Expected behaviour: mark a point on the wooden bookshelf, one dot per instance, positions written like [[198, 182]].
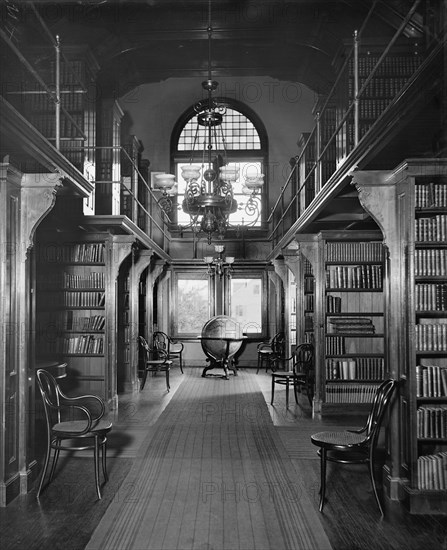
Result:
[[429, 350], [410, 204], [387, 82], [350, 312]]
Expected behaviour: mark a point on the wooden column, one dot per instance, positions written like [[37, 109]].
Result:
[[378, 196], [24, 202], [141, 261], [118, 247]]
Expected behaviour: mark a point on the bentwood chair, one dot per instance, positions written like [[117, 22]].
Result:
[[301, 374], [355, 446], [171, 346], [156, 360], [272, 352], [70, 423]]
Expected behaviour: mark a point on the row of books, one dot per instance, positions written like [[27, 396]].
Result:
[[360, 368], [354, 252], [391, 66], [430, 262], [75, 299], [333, 304], [309, 284], [335, 345], [309, 302], [350, 325], [95, 279], [72, 253], [432, 472], [364, 276], [432, 421], [432, 229], [46, 124], [431, 297], [83, 344], [372, 108], [308, 323], [350, 393], [430, 195], [431, 337], [379, 87], [431, 381]]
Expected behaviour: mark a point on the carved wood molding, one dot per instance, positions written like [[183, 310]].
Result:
[[38, 196], [377, 195]]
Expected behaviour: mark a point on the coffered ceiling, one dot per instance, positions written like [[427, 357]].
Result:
[[150, 40]]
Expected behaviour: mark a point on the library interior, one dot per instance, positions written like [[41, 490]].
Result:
[[209, 205]]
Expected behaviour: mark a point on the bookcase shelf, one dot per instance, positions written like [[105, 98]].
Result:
[[425, 284], [352, 363]]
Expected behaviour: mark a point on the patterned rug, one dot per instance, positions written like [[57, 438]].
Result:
[[212, 474]]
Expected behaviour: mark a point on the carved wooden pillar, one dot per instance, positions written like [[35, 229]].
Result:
[[140, 263], [24, 201], [118, 247], [379, 196]]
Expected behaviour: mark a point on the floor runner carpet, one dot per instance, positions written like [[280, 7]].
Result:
[[212, 474]]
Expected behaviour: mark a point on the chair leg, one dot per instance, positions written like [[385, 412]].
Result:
[[322, 478], [273, 389], [181, 362], [259, 363], [287, 393], [96, 458], [55, 459], [168, 387], [143, 380], [295, 391], [373, 483], [104, 459], [45, 468]]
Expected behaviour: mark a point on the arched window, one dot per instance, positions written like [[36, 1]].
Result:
[[246, 146]]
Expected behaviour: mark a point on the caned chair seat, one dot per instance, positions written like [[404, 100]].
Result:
[[77, 427], [356, 446]]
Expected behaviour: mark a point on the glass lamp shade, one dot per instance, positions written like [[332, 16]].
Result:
[[229, 259], [229, 173], [164, 181], [208, 259], [191, 172], [254, 182]]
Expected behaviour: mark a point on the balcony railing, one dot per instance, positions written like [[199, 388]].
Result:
[[371, 75]]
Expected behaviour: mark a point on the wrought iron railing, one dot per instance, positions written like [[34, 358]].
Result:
[[371, 74]]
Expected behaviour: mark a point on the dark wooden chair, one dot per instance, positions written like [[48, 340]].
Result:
[[300, 375], [272, 352], [70, 423], [156, 360], [171, 346], [355, 446]]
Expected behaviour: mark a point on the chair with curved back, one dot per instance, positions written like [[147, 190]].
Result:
[[156, 360], [355, 446], [272, 352], [300, 375], [70, 421], [173, 348]]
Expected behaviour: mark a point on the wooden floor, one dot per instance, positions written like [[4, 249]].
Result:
[[68, 511]]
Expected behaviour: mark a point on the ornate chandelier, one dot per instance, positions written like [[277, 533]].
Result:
[[209, 193]]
